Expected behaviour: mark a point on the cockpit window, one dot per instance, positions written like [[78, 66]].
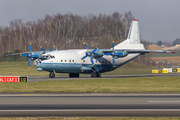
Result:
[[46, 57]]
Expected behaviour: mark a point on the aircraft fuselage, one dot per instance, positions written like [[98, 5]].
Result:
[[69, 61]]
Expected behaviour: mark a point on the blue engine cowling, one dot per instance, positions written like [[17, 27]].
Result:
[[97, 54], [121, 54]]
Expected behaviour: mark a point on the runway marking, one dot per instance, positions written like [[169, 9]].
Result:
[[27, 94], [164, 101], [97, 93], [90, 94], [92, 110]]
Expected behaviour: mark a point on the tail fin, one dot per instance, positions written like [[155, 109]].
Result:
[[133, 39]]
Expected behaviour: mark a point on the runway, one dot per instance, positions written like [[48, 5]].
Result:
[[86, 77], [91, 104]]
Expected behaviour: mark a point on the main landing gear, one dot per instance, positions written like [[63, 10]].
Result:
[[51, 75], [95, 74]]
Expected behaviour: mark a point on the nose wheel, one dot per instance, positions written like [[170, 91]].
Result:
[[51, 75]]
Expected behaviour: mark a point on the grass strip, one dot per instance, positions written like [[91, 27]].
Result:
[[20, 68], [90, 118], [142, 84]]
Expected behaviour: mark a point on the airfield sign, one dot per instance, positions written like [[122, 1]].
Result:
[[13, 79]]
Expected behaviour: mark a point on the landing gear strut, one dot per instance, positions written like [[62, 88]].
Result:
[[51, 75], [95, 74]]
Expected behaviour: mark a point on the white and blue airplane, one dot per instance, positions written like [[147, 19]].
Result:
[[94, 62]]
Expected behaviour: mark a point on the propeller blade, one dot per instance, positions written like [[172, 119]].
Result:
[[42, 49], [85, 46], [113, 61], [94, 50], [29, 62], [30, 48], [113, 45], [23, 55], [83, 57], [91, 60], [52, 48]]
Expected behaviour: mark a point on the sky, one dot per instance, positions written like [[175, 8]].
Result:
[[158, 19]]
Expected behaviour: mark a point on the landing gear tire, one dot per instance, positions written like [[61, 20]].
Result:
[[98, 74], [73, 74], [52, 75], [95, 74]]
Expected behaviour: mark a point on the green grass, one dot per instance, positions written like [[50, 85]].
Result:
[[20, 68], [143, 84], [90, 118], [166, 55]]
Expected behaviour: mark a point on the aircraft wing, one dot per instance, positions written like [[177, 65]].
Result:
[[23, 54], [17, 53], [142, 51], [147, 51]]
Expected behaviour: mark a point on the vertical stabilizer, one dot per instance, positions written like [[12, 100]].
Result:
[[133, 35], [133, 39]]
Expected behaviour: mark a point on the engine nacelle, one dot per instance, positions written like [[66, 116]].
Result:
[[121, 54], [97, 54]]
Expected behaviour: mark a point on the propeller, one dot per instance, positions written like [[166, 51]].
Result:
[[45, 50], [29, 55], [114, 54], [89, 54]]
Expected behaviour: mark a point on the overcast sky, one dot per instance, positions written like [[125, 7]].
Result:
[[158, 19]]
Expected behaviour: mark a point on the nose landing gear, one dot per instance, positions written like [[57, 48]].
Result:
[[51, 75]]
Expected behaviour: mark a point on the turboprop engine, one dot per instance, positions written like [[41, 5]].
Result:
[[92, 54], [97, 54], [120, 54], [116, 54]]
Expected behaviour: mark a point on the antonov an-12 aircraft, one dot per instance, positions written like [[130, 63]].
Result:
[[94, 62]]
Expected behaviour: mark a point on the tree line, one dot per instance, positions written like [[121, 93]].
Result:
[[66, 31]]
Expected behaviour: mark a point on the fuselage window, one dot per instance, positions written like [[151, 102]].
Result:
[[69, 60], [105, 61], [61, 60], [96, 61], [83, 60], [99, 61], [102, 61], [64, 60], [72, 60]]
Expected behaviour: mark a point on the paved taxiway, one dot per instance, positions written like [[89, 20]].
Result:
[[90, 104], [86, 77]]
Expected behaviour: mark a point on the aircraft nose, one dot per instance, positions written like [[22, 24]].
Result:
[[37, 62]]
